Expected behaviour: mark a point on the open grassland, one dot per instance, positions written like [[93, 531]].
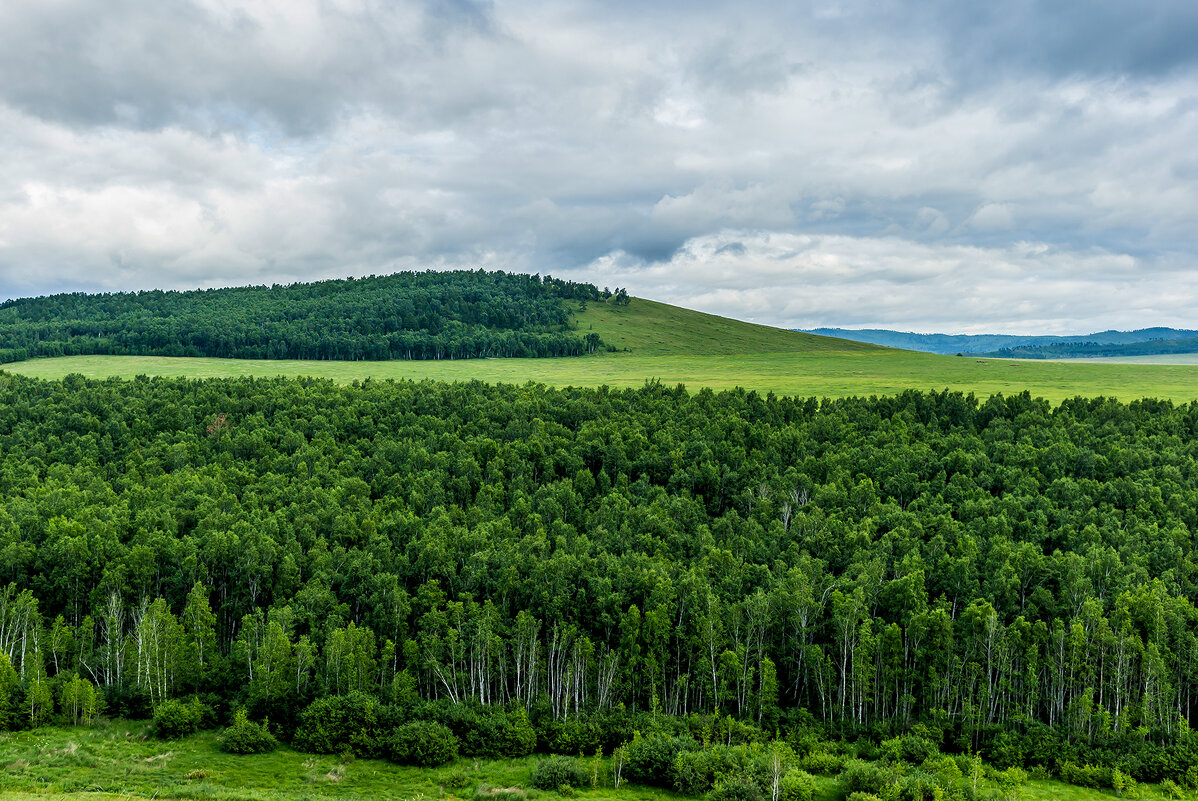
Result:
[[117, 760], [677, 345]]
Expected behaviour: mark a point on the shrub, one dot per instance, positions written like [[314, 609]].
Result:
[[356, 723], [556, 771], [863, 797], [822, 763], [695, 772], [650, 759], [1171, 789], [909, 748], [1093, 776], [174, 718], [246, 737], [864, 777], [736, 788], [484, 731], [422, 743], [798, 785]]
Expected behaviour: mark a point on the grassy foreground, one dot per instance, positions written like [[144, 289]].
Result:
[[117, 760], [676, 345]]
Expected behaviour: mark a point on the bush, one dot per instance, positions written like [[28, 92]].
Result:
[[737, 788], [1093, 776], [798, 785], [695, 772], [650, 760], [863, 797], [822, 763], [864, 777], [174, 718], [339, 723], [556, 771], [909, 748], [422, 743], [246, 737], [484, 731]]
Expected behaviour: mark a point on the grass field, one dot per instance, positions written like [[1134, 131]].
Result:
[[677, 345], [116, 760]]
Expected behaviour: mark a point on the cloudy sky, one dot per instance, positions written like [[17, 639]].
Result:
[[933, 165]]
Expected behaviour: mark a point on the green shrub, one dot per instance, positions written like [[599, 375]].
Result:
[[1171, 789], [695, 772], [1093, 776], [798, 785], [650, 759], [864, 777], [736, 788], [909, 748], [246, 737], [863, 797], [174, 718], [822, 763], [356, 723], [422, 743], [556, 771]]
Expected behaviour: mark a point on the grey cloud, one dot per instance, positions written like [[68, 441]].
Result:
[[199, 143]]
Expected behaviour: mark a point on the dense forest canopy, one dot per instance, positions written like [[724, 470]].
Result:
[[410, 315], [983, 568]]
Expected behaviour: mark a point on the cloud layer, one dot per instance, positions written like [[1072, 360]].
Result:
[[913, 165]]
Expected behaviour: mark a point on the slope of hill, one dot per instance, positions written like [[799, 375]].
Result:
[[677, 345], [426, 315], [990, 344]]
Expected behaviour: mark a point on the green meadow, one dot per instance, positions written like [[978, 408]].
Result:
[[118, 760], [675, 345]]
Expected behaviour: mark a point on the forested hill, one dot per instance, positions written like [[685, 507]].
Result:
[[410, 315], [993, 344], [1015, 577], [1087, 350]]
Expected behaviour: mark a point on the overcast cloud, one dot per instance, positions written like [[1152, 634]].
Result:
[[1020, 167]]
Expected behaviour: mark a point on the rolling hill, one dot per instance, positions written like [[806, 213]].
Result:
[[656, 341], [1000, 344]]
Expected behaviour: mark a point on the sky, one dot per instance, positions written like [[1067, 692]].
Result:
[[1017, 167]]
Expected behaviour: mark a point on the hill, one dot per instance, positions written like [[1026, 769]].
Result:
[[1093, 350], [681, 346], [424, 315], [997, 344]]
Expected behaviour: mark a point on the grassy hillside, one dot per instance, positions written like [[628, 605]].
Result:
[[118, 761], [677, 345]]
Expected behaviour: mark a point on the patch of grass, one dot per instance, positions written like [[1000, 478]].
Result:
[[679, 346]]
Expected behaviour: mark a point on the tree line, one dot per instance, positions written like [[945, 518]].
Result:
[[411, 315], [1002, 572]]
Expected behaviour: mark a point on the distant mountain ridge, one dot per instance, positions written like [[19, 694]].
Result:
[[1032, 346]]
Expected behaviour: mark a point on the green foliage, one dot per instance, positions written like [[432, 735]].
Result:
[[798, 785], [735, 788], [649, 759], [422, 743], [859, 776], [243, 736], [1085, 775], [559, 771], [174, 718], [335, 724]]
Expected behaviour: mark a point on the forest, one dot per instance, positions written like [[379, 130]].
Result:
[[411, 315], [567, 570]]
